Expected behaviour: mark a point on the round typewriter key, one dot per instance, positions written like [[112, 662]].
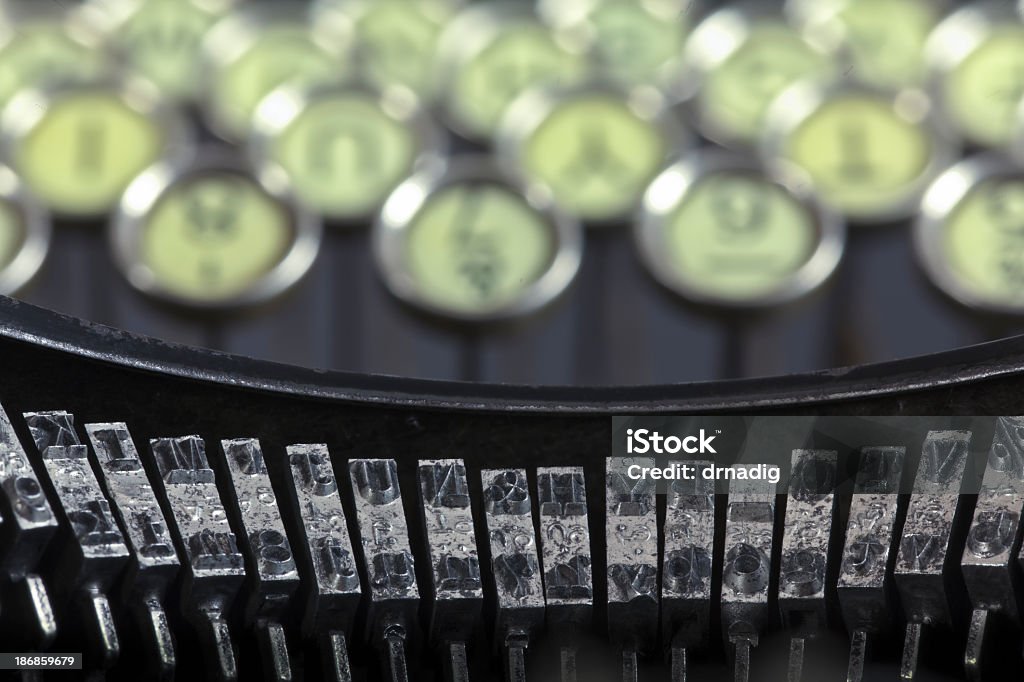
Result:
[[594, 148], [345, 147], [78, 147], [43, 44], [869, 154], [976, 58], [492, 52], [970, 234], [213, 234], [635, 41], [252, 51], [884, 39], [24, 234], [462, 241], [735, 63], [160, 40], [395, 41], [719, 230]]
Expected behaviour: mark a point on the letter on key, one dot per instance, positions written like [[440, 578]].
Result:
[[987, 561], [215, 568], [333, 600], [864, 582], [565, 554], [806, 547], [153, 556], [273, 576], [631, 534], [384, 531], [87, 569], [686, 582], [749, 527], [515, 565], [454, 562], [928, 539]]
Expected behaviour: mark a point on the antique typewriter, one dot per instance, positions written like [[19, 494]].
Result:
[[320, 312]]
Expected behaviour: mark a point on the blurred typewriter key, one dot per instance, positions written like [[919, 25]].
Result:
[[976, 63], [882, 41], [395, 41], [44, 44], [327, 550], [461, 240], [212, 234], [735, 63], [272, 574], [78, 147], [870, 154], [24, 233], [154, 564], [689, 537], [970, 234], [90, 552], [344, 147], [865, 580], [988, 558], [160, 40], [264, 45], [214, 568], [515, 564], [493, 51], [634, 41], [931, 542], [594, 148], [721, 230]]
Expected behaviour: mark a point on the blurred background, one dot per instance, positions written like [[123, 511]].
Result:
[[172, 78]]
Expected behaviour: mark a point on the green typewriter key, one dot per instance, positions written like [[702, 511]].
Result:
[[882, 41], [395, 41], [976, 59], [719, 230], [213, 234], [77, 147], [493, 51], [870, 154], [461, 240], [594, 148], [970, 234], [345, 147], [43, 44], [635, 41], [160, 40], [24, 234], [262, 46], [734, 65]]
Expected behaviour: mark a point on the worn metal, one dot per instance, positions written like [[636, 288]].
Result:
[[689, 535], [749, 530], [214, 567], [92, 553], [864, 582], [631, 537], [928, 538], [384, 535], [515, 565], [806, 549], [272, 574]]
